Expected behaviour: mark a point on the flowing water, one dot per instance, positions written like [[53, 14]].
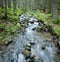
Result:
[[14, 54]]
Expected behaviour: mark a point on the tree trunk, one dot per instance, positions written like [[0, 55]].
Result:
[[54, 9], [5, 16], [14, 5], [9, 3], [1, 3]]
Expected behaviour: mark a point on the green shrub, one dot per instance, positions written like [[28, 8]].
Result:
[[2, 26], [1, 10], [40, 16], [49, 15], [56, 21], [14, 15], [1, 37], [19, 12], [56, 30], [15, 18]]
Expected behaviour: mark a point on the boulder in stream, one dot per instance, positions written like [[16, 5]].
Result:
[[27, 51], [35, 59], [32, 20], [43, 47], [32, 43]]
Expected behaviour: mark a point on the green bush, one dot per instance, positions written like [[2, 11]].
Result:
[[15, 18], [11, 29], [56, 30], [2, 26], [1, 10], [14, 15], [1, 37]]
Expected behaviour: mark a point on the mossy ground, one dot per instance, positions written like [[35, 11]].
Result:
[[9, 26]]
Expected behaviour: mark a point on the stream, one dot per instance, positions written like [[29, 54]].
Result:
[[42, 49]]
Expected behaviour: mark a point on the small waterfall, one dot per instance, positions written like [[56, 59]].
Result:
[[21, 58]]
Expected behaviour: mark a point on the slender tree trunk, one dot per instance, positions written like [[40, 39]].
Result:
[[54, 9], [5, 16], [1, 3], [9, 3], [14, 5]]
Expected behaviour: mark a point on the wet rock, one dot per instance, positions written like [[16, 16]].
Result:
[[32, 59], [39, 60], [43, 47], [40, 21], [56, 42], [58, 52], [8, 42], [32, 20], [39, 28], [28, 45], [27, 54], [27, 51], [33, 28], [22, 25], [51, 31], [28, 48], [41, 24], [35, 59], [25, 25], [45, 29], [32, 43], [1, 60], [57, 58], [47, 40], [58, 45], [55, 38]]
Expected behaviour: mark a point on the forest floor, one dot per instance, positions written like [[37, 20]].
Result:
[[8, 30]]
